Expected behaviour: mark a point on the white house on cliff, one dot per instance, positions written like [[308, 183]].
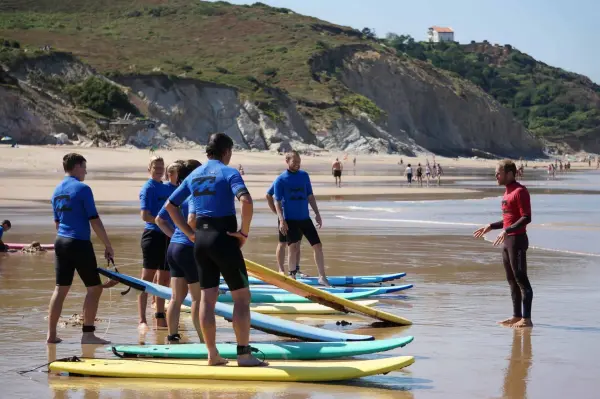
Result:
[[438, 34]]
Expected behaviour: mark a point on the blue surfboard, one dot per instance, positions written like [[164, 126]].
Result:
[[340, 280], [271, 289], [269, 324]]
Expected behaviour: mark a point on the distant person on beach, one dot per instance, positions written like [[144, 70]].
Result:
[[213, 189], [74, 211], [516, 215], [4, 227], [293, 194], [420, 175], [241, 169], [354, 162], [154, 242], [439, 172], [408, 173], [282, 244], [336, 170], [427, 173]]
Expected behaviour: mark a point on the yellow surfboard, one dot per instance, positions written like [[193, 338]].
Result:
[[316, 295], [294, 308], [299, 371]]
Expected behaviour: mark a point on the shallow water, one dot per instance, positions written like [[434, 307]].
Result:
[[460, 291]]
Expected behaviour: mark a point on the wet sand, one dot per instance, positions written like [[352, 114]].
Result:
[[460, 292]]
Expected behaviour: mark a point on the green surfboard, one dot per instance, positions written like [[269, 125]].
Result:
[[271, 351], [292, 298]]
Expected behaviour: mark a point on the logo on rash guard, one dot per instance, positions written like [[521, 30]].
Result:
[[63, 203], [204, 185], [299, 191]]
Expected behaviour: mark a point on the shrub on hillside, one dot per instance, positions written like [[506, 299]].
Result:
[[100, 96]]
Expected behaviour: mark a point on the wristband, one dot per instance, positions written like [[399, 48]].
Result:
[[245, 235]]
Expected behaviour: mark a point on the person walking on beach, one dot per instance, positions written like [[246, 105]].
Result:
[[293, 193], [439, 172], [74, 211], [408, 173], [280, 251], [154, 242], [212, 189], [427, 173], [420, 175], [336, 170], [516, 215], [4, 227]]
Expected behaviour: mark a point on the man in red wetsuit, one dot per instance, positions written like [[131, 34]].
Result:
[[516, 214]]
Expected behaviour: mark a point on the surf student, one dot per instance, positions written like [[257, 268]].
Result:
[[408, 173], [74, 211], [154, 242], [4, 227], [516, 215], [336, 170], [180, 256], [171, 175], [420, 175], [280, 251], [213, 188], [293, 193]]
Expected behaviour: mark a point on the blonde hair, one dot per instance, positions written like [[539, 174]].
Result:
[[155, 159], [175, 167], [508, 166]]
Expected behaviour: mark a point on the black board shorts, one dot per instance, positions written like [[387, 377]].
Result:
[[299, 228], [218, 253], [337, 173], [282, 238], [182, 263], [154, 250], [71, 254]]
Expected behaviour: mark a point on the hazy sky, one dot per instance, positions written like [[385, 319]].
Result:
[[559, 33]]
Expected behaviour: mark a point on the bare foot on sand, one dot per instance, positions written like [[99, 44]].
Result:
[[324, 281], [143, 328], [509, 322], [250, 361], [217, 361], [523, 323], [90, 338], [53, 340]]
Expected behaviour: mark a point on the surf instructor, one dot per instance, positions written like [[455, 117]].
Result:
[[217, 243], [516, 215]]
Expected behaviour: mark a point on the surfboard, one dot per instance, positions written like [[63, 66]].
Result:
[[294, 308], [269, 324], [320, 296], [340, 280], [286, 297], [297, 371], [271, 351], [272, 289], [16, 245]]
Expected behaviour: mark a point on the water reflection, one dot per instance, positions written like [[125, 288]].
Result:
[[517, 372]]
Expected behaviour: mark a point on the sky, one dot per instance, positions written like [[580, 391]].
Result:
[[560, 33]]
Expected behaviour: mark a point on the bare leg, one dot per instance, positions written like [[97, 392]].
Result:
[[147, 275], [293, 250], [163, 279], [320, 261], [280, 254], [209, 325], [196, 294], [90, 309], [297, 256], [241, 326], [54, 311], [180, 289]]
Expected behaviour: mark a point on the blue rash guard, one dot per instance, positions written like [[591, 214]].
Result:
[[178, 236], [73, 205], [213, 188], [293, 190], [152, 197], [1, 232]]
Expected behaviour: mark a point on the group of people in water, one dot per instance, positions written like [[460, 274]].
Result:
[[430, 173], [190, 239]]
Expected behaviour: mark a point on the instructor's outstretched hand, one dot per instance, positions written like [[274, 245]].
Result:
[[482, 231]]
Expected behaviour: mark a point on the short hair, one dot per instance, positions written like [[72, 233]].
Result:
[[218, 144], [408, 165], [6, 222], [71, 160], [175, 167], [290, 154], [187, 168], [155, 159], [508, 166]]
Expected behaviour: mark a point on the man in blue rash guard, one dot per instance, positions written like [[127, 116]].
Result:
[[4, 227], [74, 211], [217, 243], [154, 242], [180, 256], [293, 194]]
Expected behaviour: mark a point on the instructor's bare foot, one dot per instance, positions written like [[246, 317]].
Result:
[[523, 323], [217, 361], [90, 338], [142, 328], [250, 361], [53, 340], [509, 322]]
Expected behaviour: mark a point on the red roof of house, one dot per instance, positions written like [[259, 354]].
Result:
[[440, 29]]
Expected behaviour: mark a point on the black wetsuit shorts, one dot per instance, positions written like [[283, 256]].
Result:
[[299, 228], [515, 265], [182, 263], [154, 250], [282, 238], [218, 253], [72, 254]]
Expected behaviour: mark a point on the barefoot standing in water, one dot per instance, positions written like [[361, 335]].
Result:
[[516, 214], [74, 210]]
